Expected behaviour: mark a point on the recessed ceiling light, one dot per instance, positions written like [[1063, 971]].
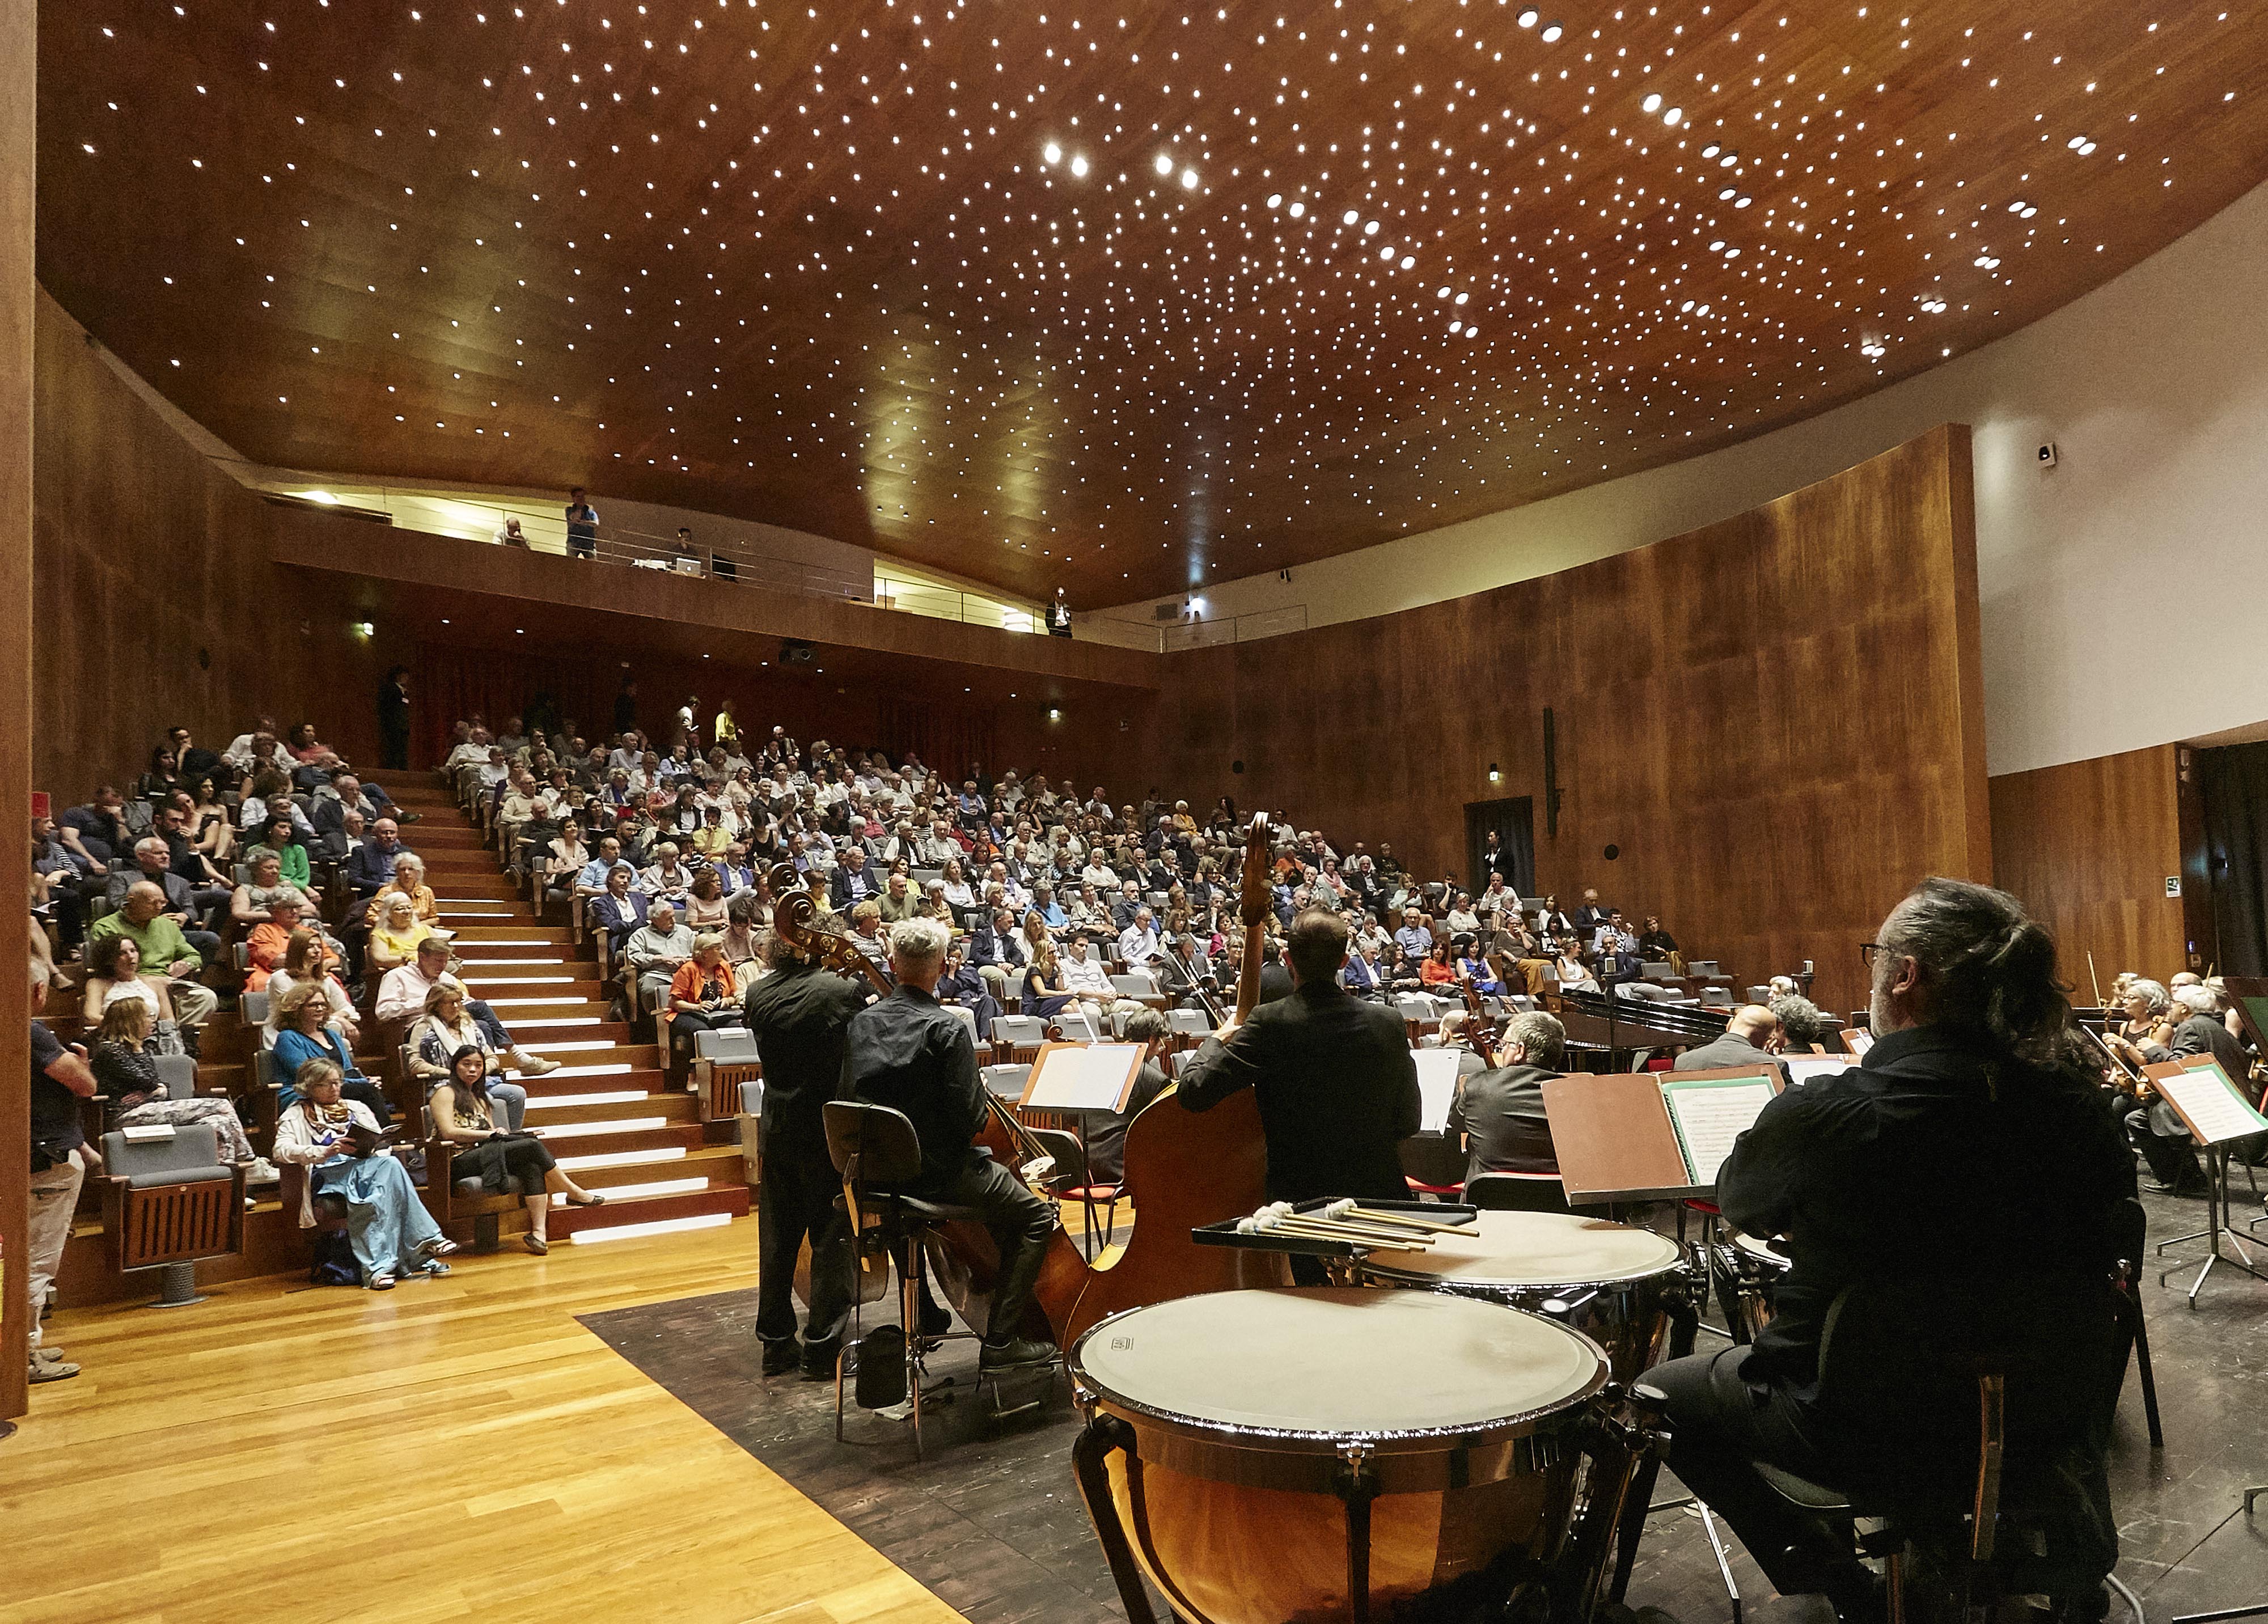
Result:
[[1078, 165], [1165, 161], [1051, 153], [1551, 33], [1528, 16], [1652, 103], [1350, 217], [1189, 182]]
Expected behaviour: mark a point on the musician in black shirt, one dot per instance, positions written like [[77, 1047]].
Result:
[[800, 1015], [1500, 1111], [909, 1053], [1338, 1091], [1973, 1130]]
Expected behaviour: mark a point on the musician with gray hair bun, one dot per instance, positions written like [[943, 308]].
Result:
[[1973, 1129], [909, 1053]]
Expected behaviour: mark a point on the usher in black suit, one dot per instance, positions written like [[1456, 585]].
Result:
[[1338, 1091]]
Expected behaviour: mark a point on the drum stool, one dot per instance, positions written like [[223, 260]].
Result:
[[874, 1148]]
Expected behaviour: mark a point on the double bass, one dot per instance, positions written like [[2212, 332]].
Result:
[[965, 1259], [1185, 1171]]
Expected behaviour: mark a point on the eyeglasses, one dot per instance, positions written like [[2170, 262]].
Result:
[[1867, 950]]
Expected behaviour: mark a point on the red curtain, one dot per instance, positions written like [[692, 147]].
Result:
[[951, 741]]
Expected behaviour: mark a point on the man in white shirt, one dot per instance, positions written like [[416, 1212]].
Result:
[[1138, 943], [401, 1005]]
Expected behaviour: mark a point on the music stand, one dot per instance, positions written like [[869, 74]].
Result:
[[1437, 1087], [2217, 1114], [1632, 1136]]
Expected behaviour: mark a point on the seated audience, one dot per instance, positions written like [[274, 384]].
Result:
[[279, 840], [403, 1000], [302, 955], [163, 949], [125, 1055], [655, 951], [304, 1036], [705, 994], [335, 1139], [394, 939], [466, 1115]]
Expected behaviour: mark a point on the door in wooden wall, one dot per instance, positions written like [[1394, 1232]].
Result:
[[1513, 821]]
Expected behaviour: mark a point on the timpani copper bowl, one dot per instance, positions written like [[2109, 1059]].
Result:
[[1613, 1282], [1334, 1452]]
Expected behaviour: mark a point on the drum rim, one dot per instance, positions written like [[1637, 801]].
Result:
[[1759, 1247], [1511, 1425], [1675, 1262]]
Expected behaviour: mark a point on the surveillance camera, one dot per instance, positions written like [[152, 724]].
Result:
[[2047, 454]]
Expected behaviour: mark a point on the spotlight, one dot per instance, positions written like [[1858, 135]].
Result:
[[1551, 33], [1528, 16]]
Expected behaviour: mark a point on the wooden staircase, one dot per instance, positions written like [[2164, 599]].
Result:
[[609, 1113]]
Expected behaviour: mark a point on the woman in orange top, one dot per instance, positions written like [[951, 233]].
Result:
[[1436, 970], [705, 994]]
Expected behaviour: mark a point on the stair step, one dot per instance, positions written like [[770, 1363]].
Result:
[[722, 1162], [509, 932], [566, 1083], [534, 984], [574, 1054], [630, 1146], [569, 1110], [715, 1204]]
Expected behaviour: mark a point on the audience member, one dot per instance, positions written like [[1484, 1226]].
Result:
[[337, 1140], [465, 1113]]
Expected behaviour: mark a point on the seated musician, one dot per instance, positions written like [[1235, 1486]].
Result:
[[907, 1053], [1500, 1112], [1106, 1130], [1751, 1037], [1973, 1128], [2161, 1136], [1337, 1087]]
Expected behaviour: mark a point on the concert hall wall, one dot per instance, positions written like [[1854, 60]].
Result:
[[1775, 721], [2089, 847]]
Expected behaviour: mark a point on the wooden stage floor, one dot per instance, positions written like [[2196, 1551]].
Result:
[[585, 1436]]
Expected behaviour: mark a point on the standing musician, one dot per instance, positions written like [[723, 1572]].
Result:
[[1337, 1087], [910, 1053], [800, 1015], [1972, 1129]]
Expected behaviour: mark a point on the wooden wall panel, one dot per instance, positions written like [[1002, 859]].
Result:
[[2089, 846], [16, 293], [154, 598], [1774, 720]]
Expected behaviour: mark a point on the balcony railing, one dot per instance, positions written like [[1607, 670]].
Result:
[[544, 529]]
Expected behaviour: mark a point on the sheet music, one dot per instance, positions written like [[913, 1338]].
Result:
[[2212, 1106], [1090, 1077], [1708, 1117], [1810, 1068], [1437, 1086]]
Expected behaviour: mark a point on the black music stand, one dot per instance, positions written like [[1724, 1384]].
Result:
[[2189, 1086]]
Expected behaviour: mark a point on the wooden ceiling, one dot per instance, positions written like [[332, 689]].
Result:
[[1120, 297]]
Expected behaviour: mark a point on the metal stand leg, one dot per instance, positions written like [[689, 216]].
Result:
[[1358, 1487], [2216, 1228], [1724, 1566]]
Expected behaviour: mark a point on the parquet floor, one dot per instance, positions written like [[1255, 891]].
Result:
[[458, 1448]]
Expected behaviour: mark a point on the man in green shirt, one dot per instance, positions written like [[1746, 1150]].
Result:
[[164, 951]]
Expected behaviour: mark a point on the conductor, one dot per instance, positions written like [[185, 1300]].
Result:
[[909, 1053], [1337, 1087]]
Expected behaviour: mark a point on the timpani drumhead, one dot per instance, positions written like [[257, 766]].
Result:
[[1763, 1252], [1325, 1362], [1516, 1249]]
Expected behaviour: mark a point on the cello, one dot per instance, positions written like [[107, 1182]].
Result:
[[1184, 1171], [964, 1257]]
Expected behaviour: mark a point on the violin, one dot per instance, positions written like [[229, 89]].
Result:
[[967, 1261]]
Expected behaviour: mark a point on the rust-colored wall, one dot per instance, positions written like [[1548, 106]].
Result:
[[2089, 846], [17, 296], [1775, 720]]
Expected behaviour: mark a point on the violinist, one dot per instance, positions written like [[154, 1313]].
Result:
[[1337, 1088], [798, 1015], [907, 1053]]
